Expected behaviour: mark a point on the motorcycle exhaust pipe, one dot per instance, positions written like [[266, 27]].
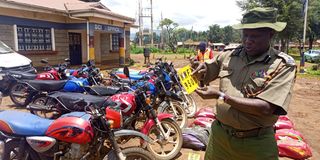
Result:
[[38, 107]]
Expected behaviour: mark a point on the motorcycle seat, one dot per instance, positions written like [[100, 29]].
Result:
[[23, 75], [77, 101], [47, 85], [103, 90], [24, 124]]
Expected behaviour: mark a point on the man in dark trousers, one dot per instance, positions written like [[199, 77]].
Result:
[[146, 54], [256, 84]]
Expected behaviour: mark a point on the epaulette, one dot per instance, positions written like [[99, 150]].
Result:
[[288, 59], [237, 51]]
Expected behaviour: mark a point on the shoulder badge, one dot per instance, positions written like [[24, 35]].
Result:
[[237, 51], [288, 59]]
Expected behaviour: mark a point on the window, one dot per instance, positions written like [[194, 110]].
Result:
[[115, 42], [34, 39]]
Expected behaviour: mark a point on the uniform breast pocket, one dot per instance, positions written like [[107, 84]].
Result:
[[225, 79], [255, 86], [258, 82]]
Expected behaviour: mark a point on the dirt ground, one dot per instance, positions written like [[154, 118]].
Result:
[[304, 109]]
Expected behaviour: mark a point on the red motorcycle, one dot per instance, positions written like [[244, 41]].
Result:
[[77, 135]]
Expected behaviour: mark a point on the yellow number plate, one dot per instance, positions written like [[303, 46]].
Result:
[[188, 82]]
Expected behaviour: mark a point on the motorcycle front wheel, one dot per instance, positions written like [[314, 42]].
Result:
[[132, 153], [176, 109], [191, 107], [165, 148]]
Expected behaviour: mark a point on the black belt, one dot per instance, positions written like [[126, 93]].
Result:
[[245, 133]]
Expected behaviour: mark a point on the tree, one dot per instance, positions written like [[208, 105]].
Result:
[[215, 33], [289, 11], [170, 27], [314, 21]]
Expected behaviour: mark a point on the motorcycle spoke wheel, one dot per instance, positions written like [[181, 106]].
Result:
[[190, 105], [180, 115], [163, 148], [19, 94], [49, 112]]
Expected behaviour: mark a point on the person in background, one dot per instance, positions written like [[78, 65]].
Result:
[[204, 54], [146, 54], [256, 84]]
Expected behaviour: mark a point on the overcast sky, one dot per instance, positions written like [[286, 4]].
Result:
[[199, 14]]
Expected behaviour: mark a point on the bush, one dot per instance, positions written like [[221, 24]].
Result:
[[136, 50], [185, 50]]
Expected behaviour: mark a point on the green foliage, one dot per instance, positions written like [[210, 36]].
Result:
[[154, 50], [136, 50], [170, 28], [185, 50]]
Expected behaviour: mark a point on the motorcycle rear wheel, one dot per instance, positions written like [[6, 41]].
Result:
[[45, 102], [161, 148], [132, 153], [19, 94]]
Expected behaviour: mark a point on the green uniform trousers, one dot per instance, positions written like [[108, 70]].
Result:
[[223, 146]]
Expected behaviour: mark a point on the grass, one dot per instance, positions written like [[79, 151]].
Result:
[[309, 72]]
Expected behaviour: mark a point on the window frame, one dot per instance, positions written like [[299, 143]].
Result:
[[35, 39]]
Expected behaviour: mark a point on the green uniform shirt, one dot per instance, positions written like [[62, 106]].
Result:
[[269, 77]]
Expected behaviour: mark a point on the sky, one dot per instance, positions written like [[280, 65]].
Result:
[[190, 14]]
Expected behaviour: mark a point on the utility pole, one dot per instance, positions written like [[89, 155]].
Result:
[[304, 37], [161, 35], [145, 12], [151, 23], [140, 23]]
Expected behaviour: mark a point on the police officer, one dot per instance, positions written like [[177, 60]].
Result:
[[255, 88]]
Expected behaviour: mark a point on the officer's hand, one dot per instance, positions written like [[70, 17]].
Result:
[[200, 71], [208, 92]]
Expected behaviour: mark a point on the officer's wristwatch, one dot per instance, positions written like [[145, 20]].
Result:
[[223, 97]]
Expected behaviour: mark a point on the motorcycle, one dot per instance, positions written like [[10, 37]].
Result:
[[50, 73], [164, 100], [24, 91], [188, 101], [135, 106], [73, 136], [161, 128]]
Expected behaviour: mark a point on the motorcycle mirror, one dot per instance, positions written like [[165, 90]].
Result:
[[45, 61], [126, 71]]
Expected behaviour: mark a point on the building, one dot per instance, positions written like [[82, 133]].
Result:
[[59, 29]]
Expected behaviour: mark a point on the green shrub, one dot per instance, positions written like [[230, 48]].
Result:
[[136, 50]]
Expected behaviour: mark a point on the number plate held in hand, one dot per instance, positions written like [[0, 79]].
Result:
[[188, 82]]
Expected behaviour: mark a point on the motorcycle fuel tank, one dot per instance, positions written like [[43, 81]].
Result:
[[71, 129]]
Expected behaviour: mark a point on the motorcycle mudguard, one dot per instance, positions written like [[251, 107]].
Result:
[[127, 132], [150, 122]]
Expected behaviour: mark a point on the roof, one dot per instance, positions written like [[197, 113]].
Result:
[[218, 44], [70, 6], [231, 46]]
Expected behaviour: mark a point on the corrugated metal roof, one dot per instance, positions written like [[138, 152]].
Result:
[[53, 4], [67, 6]]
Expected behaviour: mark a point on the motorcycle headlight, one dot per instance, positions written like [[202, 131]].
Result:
[[114, 118]]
